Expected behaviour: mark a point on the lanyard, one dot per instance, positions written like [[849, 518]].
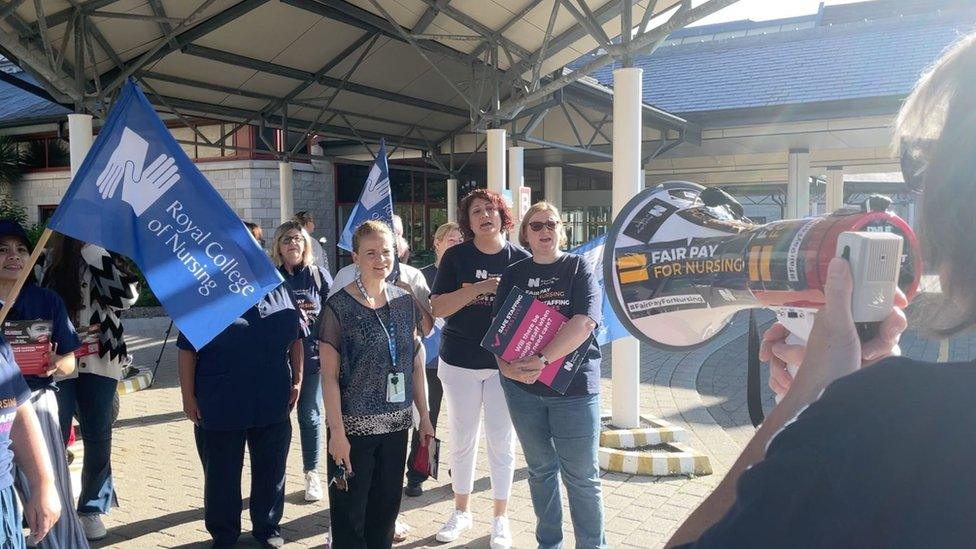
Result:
[[389, 331]]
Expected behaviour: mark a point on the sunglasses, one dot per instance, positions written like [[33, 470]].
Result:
[[537, 226], [341, 479], [915, 162]]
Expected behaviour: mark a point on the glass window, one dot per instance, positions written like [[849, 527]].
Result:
[[401, 184], [350, 179]]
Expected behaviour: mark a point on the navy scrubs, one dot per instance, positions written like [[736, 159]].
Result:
[[242, 385]]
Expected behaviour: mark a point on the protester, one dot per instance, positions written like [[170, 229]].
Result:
[[22, 443], [96, 287], [38, 304], [373, 370], [446, 236], [307, 222], [240, 388], [292, 253], [463, 293], [830, 477], [560, 433], [256, 232]]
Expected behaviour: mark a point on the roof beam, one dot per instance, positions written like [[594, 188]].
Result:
[[508, 24], [187, 36], [478, 27], [428, 17], [236, 113], [300, 75], [62, 16]]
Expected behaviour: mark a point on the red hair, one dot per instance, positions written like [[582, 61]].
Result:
[[496, 200]]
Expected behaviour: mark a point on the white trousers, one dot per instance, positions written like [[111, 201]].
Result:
[[467, 392]]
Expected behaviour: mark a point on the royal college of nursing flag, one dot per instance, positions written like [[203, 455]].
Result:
[[138, 194], [609, 327], [375, 202]]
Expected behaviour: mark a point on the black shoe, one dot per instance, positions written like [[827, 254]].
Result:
[[414, 489]]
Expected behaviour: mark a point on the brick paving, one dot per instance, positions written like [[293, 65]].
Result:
[[160, 482]]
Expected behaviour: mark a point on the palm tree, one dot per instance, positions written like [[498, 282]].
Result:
[[11, 161]]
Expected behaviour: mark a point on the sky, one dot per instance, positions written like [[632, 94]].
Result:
[[761, 10]]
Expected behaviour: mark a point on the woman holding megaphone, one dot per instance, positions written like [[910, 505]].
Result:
[[875, 456]]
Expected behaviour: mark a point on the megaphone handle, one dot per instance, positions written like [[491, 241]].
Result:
[[794, 339]]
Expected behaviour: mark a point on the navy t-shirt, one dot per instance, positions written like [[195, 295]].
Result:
[[309, 297], [36, 303], [461, 266], [243, 377], [883, 459], [13, 393], [569, 286]]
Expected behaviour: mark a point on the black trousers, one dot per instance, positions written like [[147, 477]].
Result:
[[434, 396], [222, 455], [364, 517]]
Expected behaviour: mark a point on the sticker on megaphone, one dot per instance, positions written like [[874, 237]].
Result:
[[679, 267]]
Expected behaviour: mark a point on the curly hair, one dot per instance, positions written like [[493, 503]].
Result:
[[508, 220]]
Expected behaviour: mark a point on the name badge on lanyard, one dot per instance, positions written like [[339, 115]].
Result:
[[396, 386]]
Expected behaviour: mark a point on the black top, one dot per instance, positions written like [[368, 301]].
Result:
[[309, 296], [39, 303], [883, 459], [430, 273], [568, 285], [461, 266], [359, 338]]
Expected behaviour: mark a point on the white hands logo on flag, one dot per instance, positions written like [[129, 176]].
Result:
[[142, 185]]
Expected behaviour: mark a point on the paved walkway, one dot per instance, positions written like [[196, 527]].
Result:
[[160, 483]]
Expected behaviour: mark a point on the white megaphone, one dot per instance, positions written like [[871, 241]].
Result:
[[682, 259]]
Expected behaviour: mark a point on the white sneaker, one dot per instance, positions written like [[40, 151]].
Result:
[[501, 534], [455, 526], [313, 486], [93, 526]]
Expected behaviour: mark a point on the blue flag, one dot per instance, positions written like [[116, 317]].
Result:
[[432, 343], [138, 194], [610, 327], [375, 202]]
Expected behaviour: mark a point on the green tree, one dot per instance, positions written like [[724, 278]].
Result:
[[11, 161]]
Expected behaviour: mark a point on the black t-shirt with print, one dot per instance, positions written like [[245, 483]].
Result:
[[461, 266], [569, 286]]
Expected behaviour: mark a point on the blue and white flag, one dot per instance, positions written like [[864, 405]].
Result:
[[138, 194], [375, 202], [432, 343], [609, 327]]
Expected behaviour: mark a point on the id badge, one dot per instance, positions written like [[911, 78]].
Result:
[[396, 388]]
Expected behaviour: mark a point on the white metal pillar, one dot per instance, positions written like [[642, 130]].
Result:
[[285, 195], [627, 100], [516, 180], [835, 188], [554, 186], [79, 139], [496, 160], [798, 186], [452, 189]]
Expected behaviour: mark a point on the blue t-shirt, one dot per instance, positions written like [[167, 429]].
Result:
[[569, 286], [243, 377], [309, 297], [36, 303], [13, 393], [463, 265], [432, 343]]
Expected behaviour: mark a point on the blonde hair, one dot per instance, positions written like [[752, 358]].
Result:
[[370, 228], [443, 230], [280, 233], [541, 206]]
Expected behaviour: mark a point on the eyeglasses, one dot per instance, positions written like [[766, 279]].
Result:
[[292, 240], [341, 479], [537, 226], [915, 162]]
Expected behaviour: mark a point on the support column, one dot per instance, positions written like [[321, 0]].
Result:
[[627, 98], [516, 180], [452, 188], [496, 160], [835, 188], [285, 195], [798, 186], [79, 139], [554, 186]]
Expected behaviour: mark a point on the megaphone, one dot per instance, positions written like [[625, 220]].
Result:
[[682, 259]]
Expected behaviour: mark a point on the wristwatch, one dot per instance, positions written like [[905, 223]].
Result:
[[543, 358]]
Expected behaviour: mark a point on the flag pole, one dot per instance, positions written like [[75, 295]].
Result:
[[24, 273]]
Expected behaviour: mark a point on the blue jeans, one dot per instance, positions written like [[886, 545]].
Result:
[[560, 437], [93, 397], [310, 418]]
